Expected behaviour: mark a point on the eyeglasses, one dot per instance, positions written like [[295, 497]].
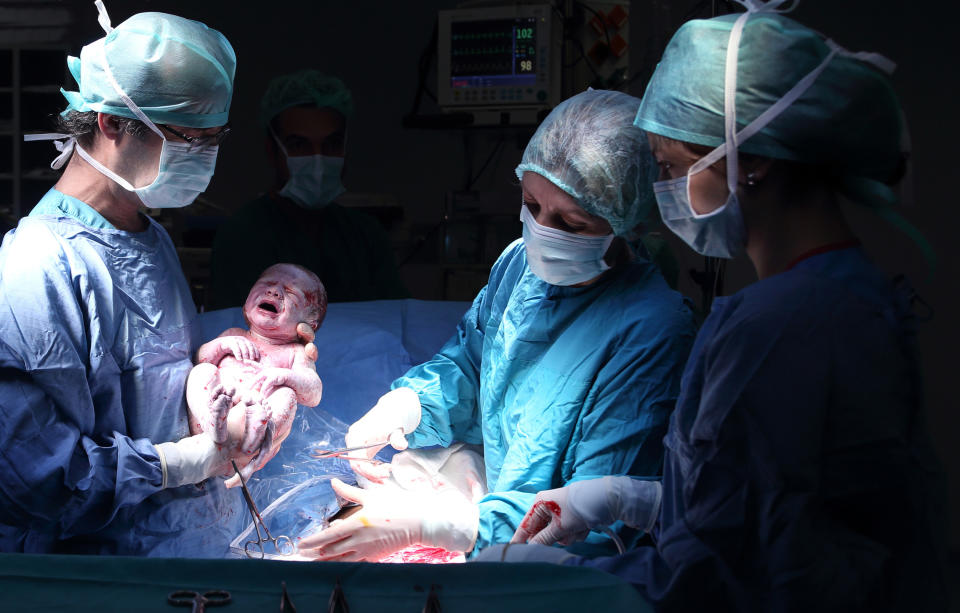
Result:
[[199, 142]]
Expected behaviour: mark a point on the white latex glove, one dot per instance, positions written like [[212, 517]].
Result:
[[196, 458], [391, 520], [307, 334], [567, 514], [395, 414]]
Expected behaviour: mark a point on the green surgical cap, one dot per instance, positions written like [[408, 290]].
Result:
[[588, 147], [849, 119], [306, 87], [177, 71]]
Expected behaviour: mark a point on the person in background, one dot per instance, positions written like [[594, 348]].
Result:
[[95, 313], [566, 367], [799, 475], [305, 117]]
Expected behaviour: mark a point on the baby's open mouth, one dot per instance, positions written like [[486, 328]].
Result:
[[266, 306]]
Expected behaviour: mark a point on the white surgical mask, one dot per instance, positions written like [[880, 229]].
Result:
[[314, 180], [562, 258], [721, 232], [183, 172]]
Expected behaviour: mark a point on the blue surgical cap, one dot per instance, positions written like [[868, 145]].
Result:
[[177, 71], [588, 147], [849, 118], [305, 87]]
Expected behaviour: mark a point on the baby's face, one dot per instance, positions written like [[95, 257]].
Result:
[[278, 302]]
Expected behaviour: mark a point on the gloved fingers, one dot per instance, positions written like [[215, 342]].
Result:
[[573, 537], [337, 532], [375, 473], [397, 440], [306, 332], [321, 555], [551, 534], [537, 518], [348, 492]]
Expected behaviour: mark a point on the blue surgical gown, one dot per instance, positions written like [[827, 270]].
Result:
[[798, 474], [95, 347], [557, 383]]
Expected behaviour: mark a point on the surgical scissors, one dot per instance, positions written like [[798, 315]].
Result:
[[199, 602], [283, 544], [321, 454]]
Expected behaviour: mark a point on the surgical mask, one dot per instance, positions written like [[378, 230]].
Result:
[[562, 258], [721, 232], [314, 179], [183, 172]]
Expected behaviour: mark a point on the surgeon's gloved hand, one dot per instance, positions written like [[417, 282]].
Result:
[[307, 334], [567, 514], [525, 553], [196, 458], [395, 414], [393, 519]]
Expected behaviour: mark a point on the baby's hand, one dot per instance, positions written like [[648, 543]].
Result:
[[239, 347], [271, 379]]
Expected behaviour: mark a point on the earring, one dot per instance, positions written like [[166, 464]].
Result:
[[751, 179]]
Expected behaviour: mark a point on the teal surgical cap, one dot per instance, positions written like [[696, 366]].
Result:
[[588, 147], [305, 87], [178, 71], [848, 119]]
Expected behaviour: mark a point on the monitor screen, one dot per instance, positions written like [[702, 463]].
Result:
[[492, 53]]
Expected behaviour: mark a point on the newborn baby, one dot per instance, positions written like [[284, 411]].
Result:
[[251, 381]]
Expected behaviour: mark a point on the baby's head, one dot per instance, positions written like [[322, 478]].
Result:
[[284, 296]]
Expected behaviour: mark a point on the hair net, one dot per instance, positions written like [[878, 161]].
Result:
[[310, 87], [849, 118], [176, 70], [589, 148]]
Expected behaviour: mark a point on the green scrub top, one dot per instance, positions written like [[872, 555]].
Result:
[[347, 249]]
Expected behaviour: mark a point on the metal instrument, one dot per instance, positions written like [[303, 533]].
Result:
[[199, 602], [323, 454], [283, 544]]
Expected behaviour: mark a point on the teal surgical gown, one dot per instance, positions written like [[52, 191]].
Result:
[[798, 472], [557, 383], [95, 347]]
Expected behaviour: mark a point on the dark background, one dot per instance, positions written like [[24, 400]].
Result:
[[375, 46]]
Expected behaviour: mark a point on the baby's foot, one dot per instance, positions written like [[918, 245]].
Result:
[[221, 399]]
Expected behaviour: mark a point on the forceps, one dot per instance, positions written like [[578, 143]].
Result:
[[321, 454], [199, 602], [283, 544]]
